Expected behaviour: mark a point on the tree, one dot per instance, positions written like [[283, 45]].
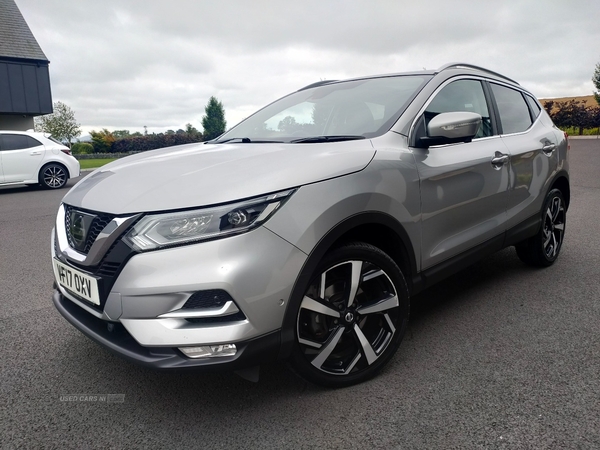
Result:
[[82, 148], [573, 114], [213, 121], [549, 107], [61, 124], [119, 134], [289, 125], [191, 130], [596, 81], [102, 141]]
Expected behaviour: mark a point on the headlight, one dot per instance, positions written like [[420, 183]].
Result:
[[156, 231]]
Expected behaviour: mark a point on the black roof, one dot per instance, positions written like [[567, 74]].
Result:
[[16, 39]]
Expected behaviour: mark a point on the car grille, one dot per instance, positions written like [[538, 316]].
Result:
[[98, 223], [112, 261]]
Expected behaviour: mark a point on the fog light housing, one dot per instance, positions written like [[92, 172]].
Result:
[[209, 351]]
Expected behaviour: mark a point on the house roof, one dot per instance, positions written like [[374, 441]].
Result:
[[16, 39]]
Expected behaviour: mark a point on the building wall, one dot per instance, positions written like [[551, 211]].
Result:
[[24, 87], [14, 122]]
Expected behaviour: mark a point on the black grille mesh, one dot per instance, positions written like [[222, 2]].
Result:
[[211, 298], [98, 224], [108, 269]]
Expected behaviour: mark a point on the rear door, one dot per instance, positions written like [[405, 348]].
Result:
[[22, 157], [464, 195], [532, 144]]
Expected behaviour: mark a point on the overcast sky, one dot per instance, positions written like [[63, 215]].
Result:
[[123, 64]]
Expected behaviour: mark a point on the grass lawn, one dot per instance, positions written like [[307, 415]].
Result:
[[94, 163]]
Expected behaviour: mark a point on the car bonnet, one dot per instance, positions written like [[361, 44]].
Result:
[[197, 175]]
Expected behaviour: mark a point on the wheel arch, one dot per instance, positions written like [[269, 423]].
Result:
[[378, 229], [58, 163], [49, 163], [561, 182]]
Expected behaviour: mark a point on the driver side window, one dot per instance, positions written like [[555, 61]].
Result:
[[462, 95]]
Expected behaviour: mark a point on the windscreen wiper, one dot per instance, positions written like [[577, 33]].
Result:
[[334, 138], [243, 140]]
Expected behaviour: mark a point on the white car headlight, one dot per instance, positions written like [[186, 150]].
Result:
[[155, 231]]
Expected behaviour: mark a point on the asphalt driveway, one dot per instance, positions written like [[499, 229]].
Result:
[[500, 355]]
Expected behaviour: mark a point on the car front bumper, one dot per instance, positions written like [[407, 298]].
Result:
[[257, 269], [119, 341]]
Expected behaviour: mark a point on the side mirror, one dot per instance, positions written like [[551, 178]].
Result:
[[451, 127]]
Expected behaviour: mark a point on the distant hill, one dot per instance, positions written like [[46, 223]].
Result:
[[589, 100]]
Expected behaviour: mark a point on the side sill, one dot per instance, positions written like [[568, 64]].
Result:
[[523, 230], [529, 227], [455, 264]]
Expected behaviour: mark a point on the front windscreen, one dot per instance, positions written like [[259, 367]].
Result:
[[352, 109]]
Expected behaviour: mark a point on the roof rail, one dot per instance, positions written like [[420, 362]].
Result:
[[318, 83], [471, 66]]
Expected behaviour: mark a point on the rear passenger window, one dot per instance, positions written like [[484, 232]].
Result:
[[15, 142], [514, 112]]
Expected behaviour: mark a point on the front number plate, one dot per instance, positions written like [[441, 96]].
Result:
[[77, 282]]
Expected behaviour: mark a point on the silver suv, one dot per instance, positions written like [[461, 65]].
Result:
[[302, 233]]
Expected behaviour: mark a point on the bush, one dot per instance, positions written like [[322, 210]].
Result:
[[82, 148], [153, 141]]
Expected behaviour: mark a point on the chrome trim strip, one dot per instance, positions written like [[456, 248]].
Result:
[[61, 235], [226, 310], [105, 239]]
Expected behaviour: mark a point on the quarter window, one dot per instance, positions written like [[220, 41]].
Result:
[[533, 106], [514, 112], [462, 95]]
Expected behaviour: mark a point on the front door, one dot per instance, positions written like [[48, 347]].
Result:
[[22, 156], [464, 194]]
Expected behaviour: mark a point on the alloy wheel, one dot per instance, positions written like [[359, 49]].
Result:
[[54, 176], [348, 317], [554, 227]]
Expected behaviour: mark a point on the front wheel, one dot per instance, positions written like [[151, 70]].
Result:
[[352, 317], [53, 176], [542, 249]]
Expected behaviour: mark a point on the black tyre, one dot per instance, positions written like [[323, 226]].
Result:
[[352, 318], [53, 176], [543, 249]]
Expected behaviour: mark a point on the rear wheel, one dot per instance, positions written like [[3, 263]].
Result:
[[53, 176], [352, 317], [542, 249]]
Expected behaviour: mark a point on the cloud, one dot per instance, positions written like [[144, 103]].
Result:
[[130, 63]]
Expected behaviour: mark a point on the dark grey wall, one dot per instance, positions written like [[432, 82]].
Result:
[[16, 122], [24, 88]]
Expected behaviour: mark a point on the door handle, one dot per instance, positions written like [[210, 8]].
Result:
[[499, 160], [548, 149], [35, 153]]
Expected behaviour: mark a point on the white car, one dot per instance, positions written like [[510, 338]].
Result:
[[27, 157]]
